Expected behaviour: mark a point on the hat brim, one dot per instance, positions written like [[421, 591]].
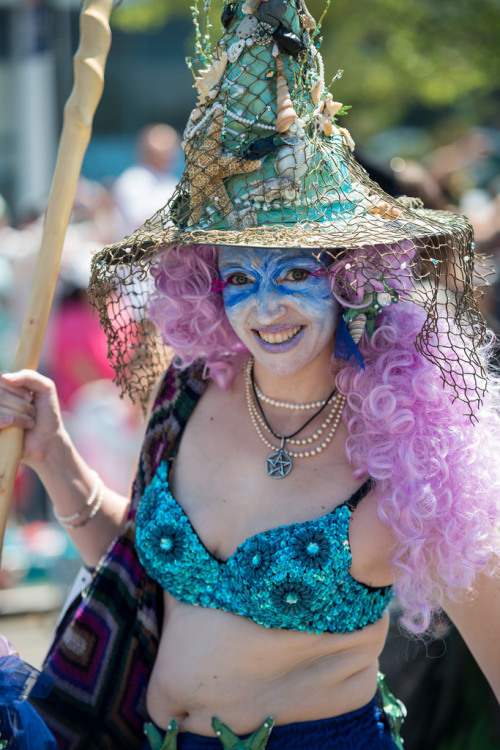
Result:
[[423, 227]]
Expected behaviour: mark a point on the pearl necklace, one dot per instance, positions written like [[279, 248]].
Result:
[[287, 404], [279, 462], [333, 416]]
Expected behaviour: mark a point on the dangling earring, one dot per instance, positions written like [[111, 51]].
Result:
[[356, 327], [353, 323]]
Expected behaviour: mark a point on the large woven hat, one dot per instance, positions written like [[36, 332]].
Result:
[[267, 165]]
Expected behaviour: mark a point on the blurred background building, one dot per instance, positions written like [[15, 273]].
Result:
[[38, 39]]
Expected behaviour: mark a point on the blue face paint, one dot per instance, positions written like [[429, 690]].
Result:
[[284, 273], [276, 304]]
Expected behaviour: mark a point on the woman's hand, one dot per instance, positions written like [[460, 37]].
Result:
[[29, 400]]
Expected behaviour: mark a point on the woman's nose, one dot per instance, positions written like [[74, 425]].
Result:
[[270, 306]]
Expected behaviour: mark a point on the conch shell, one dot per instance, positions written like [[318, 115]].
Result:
[[356, 327], [348, 138], [307, 19], [332, 107], [250, 6], [293, 160], [208, 79], [285, 113], [316, 92]]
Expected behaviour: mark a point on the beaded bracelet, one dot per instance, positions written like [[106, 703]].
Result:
[[67, 521]]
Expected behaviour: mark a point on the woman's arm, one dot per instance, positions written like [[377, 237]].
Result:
[[29, 400], [478, 621]]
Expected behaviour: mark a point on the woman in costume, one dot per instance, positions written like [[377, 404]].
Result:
[[326, 435]]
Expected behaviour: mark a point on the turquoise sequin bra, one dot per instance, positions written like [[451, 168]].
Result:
[[294, 577]]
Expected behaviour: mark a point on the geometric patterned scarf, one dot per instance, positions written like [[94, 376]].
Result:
[[106, 644]]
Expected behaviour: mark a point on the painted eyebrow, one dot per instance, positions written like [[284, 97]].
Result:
[[232, 267]]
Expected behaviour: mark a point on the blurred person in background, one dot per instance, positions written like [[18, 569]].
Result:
[[468, 171], [143, 188], [105, 428], [76, 350]]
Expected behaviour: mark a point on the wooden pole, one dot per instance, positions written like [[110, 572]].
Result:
[[88, 65]]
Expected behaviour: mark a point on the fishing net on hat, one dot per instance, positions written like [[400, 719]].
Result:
[[267, 165]]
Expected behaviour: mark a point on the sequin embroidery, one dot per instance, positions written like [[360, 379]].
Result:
[[294, 577]]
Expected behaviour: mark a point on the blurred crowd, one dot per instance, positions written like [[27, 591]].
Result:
[[463, 176]]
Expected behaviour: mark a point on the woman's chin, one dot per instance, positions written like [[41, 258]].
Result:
[[291, 363]]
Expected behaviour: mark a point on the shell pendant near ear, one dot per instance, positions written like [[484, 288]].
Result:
[[356, 327]]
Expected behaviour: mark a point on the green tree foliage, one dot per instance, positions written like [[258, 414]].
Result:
[[434, 61]]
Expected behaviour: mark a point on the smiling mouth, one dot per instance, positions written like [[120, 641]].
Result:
[[279, 337]]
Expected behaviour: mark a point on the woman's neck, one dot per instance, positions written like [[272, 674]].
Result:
[[312, 383]]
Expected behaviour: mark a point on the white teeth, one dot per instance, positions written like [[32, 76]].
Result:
[[279, 338]]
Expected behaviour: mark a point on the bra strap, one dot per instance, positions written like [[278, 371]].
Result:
[[360, 493]]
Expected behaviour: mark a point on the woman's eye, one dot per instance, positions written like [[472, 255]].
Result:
[[297, 274], [237, 279]]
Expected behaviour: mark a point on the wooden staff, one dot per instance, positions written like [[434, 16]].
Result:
[[88, 66]]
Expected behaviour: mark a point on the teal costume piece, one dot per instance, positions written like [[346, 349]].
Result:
[[256, 741], [294, 577], [162, 740]]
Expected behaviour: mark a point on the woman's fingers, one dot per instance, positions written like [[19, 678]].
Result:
[[17, 400], [16, 420], [6, 387], [17, 392], [27, 381]]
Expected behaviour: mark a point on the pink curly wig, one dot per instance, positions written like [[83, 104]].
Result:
[[437, 474], [190, 316]]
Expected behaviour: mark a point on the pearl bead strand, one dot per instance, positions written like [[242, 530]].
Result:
[[332, 416], [287, 404], [333, 419]]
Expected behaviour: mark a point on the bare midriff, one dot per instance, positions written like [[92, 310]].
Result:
[[213, 663]]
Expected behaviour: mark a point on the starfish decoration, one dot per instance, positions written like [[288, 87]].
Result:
[[208, 166], [257, 741], [157, 741]]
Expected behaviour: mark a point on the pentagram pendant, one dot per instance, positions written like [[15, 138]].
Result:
[[279, 463]]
